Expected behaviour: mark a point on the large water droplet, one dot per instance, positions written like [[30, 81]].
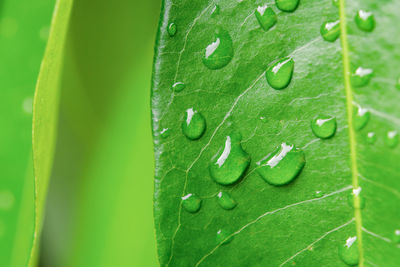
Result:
[[194, 124], [280, 73], [224, 237], [287, 5], [392, 139], [228, 166], [178, 86], [191, 203], [361, 117], [355, 199], [266, 17], [324, 126], [330, 30], [172, 29], [365, 21], [348, 252], [282, 166], [396, 236], [361, 77], [220, 52], [226, 201]]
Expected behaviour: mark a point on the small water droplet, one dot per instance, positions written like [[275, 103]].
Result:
[[396, 236], [323, 126], [319, 194], [361, 117], [371, 138], [172, 29], [7, 200], [282, 166], [355, 199], [191, 203], [392, 139], [330, 30], [335, 3], [194, 124], [215, 11], [178, 86], [164, 133], [287, 5], [365, 21], [220, 52], [27, 105], [228, 166], [266, 17], [348, 252], [280, 73], [361, 77], [226, 201], [224, 237], [398, 84]]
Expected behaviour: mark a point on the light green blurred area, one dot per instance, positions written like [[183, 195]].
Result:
[[100, 203]]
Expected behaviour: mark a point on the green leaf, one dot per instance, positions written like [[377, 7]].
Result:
[[338, 208]]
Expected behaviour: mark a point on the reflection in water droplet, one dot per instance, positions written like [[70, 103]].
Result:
[[7, 200], [228, 166], [330, 30], [280, 73], [226, 201], [323, 126], [172, 29], [224, 237], [164, 133], [191, 203], [355, 199], [365, 21], [215, 11], [396, 236], [178, 86], [371, 138], [392, 139], [361, 77], [220, 52], [287, 5], [361, 117], [194, 124], [282, 166], [348, 252], [266, 17], [319, 194]]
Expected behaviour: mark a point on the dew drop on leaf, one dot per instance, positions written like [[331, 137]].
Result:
[[280, 73], [348, 252], [220, 52], [287, 5], [323, 126], [172, 29], [396, 236], [191, 203], [319, 194], [361, 77], [224, 237], [282, 166], [371, 138], [226, 201], [392, 139], [360, 117], [178, 86], [215, 11], [266, 17], [229, 164], [164, 133], [7, 200], [335, 3], [365, 21], [330, 30], [355, 199], [194, 124]]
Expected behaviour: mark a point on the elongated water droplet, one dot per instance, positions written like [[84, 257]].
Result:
[[392, 139], [229, 164], [194, 124], [361, 117], [282, 166], [178, 86], [164, 133], [361, 77], [396, 236], [266, 17], [335, 3], [348, 252], [191, 203], [355, 199], [215, 11], [330, 30], [280, 73], [226, 201], [220, 52], [323, 126], [371, 138], [365, 21], [224, 237], [287, 5], [172, 29]]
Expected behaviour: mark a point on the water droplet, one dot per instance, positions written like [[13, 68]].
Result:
[[280, 73], [392, 139], [7, 200], [365, 21], [355, 199], [164, 133], [348, 252], [266, 17], [335, 3], [330, 30], [178, 86], [191, 203], [287, 5], [361, 117], [361, 77], [215, 11], [224, 237], [27, 105], [172, 29], [220, 52], [226, 201], [396, 236], [194, 124], [323, 126], [282, 166], [319, 194], [228, 166], [371, 138]]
